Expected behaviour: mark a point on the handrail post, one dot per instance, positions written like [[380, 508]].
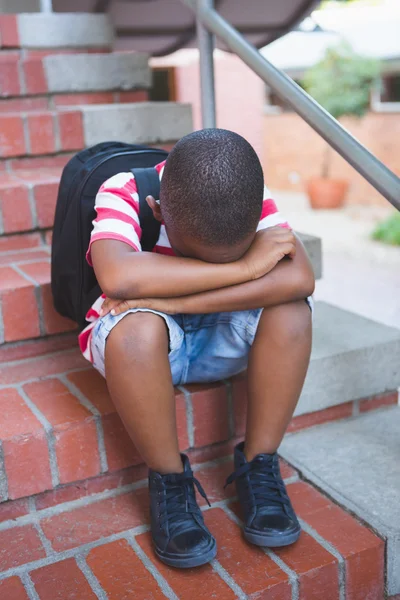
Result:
[[46, 6], [206, 50]]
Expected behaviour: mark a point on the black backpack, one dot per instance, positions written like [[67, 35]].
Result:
[[73, 282]]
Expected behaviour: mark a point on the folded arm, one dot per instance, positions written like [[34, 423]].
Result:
[[291, 279]]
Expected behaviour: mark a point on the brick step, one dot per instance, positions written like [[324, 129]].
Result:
[[54, 31], [59, 426], [70, 129], [25, 296], [73, 545], [37, 72]]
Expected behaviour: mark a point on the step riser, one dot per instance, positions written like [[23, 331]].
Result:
[[27, 74], [83, 418], [51, 132], [52, 30]]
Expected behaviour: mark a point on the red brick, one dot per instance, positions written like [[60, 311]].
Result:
[[334, 413], [94, 387], [39, 271], [45, 199], [220, 450], [75, 430], [213, 478], [15, 209], [19, 545], [12, 141], [13, 589], [204, 580], [41, 133], [121, 573], [71, 130], [97, 520], [9, 76], [256, 574], [239, 396], [210, 413], [41, 367], [10, 279], [27, 465], [316, 568], [20, 242], [379, 401], [9, 37], [38, 347], [20, 314], [53, 322], [12, 258], [16, 105], [46, 162], [82, 99], [135, 96], [94, 485], [363, 551], [16, 419], [181, 420], [121, 451], [286, 470], [49, 237], [62, 580], [13, 509], [35, 79]]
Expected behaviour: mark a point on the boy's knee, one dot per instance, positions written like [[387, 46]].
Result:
[[292, 320], [139, 333]]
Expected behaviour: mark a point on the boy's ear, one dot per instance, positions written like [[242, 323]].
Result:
[[155, 207]]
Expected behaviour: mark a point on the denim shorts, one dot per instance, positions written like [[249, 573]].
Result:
[[202, 348]]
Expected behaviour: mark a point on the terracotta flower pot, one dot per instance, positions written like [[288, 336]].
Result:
[[324, 192]]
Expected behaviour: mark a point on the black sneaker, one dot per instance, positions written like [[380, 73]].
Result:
[[269, 518], [180, 536]]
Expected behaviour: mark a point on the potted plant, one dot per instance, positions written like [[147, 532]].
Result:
[[341, 83]]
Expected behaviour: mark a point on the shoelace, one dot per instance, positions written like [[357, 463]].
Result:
[[180, 498], [265, 479]]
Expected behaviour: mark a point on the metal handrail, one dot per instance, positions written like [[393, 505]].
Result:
[[370, 167]]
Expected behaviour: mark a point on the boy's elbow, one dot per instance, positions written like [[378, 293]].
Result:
[[306, 283], [114, 286]]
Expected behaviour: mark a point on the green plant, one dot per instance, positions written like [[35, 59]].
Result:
[[341, 83], [389, 230]]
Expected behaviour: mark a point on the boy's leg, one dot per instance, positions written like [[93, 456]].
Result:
[[278, 363], [140, 383], [139, 379], [277, 368]]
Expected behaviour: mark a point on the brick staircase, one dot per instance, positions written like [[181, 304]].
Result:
[[73, 512]]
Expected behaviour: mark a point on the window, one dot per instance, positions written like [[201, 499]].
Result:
[[163, 86], [386, 95]]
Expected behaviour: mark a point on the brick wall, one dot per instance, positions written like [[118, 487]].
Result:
[[293, 152], [239, 94]]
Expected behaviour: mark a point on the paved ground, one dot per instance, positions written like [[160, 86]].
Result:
[[360, 274]]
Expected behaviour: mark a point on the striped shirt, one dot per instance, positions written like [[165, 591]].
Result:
[[117, 218]]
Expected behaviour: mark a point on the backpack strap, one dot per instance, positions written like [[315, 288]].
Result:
[[148, 184]]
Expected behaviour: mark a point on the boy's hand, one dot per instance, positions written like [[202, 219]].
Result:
[[169, 306], [268, 248]]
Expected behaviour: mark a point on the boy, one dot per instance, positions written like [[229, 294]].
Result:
[[226, 287]]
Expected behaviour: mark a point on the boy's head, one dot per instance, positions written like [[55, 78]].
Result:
[[211, 195]]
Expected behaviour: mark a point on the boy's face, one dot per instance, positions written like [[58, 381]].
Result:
[[191, 248]]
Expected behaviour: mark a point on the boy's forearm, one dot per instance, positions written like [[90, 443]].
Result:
[[148, 275], [289, 281]]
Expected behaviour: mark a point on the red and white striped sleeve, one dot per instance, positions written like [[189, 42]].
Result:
[[117, 210], [270, 216]]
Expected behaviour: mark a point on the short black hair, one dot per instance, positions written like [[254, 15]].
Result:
[[212, 187]]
